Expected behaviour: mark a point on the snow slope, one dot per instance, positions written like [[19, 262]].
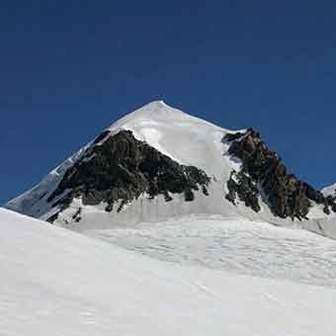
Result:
[[57, 282]]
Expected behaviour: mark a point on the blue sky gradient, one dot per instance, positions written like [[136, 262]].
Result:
[[70, 68]]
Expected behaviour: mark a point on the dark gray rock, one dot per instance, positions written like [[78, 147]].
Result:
[[242, 185]]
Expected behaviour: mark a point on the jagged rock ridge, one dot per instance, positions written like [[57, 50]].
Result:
[[264, 174], [121, 168]]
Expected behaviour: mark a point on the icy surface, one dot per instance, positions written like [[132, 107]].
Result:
[[237, 246], [56, 282]]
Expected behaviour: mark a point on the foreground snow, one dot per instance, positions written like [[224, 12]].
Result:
[[57, 282]]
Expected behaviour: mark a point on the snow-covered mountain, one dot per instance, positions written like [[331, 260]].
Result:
[[57, 282], [181, 137], [182, 211], [159, 162]]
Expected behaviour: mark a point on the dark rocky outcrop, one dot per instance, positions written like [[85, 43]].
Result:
[[264, 174], [240, 184], [121, 168]]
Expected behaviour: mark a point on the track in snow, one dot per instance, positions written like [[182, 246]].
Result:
[[236, 246]]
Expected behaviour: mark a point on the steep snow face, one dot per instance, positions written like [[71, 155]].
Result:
[[182, 137], [56, 282]]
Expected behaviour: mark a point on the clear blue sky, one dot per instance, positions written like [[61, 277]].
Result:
[[69, 68]]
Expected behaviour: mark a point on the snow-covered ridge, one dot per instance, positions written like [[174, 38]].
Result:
[[57, 282]]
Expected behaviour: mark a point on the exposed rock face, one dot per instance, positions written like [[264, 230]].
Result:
[[121, 168], [263, 174], [242, 185]]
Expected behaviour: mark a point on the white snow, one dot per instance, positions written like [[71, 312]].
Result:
[[186, 138], [56, 282], [239, 246], [330, 190]]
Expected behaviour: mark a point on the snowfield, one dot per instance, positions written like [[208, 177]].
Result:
[[238, 246], [58, 282]]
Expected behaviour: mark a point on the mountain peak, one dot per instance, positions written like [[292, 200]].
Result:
[[158, 103], [156, 110], [158, 106]]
